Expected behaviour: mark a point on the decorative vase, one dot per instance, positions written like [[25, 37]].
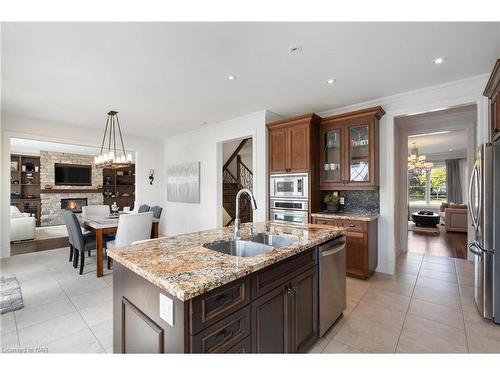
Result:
[[332, 207]]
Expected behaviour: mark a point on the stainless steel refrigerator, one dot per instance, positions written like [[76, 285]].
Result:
[[484, 210]]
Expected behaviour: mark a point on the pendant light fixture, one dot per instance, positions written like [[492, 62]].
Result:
[[114, 157], [418, 162]]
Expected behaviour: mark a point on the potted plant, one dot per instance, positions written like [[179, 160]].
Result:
[[332, 202]]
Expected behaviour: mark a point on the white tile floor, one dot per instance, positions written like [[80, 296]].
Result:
[[427, 307], [64, 311]]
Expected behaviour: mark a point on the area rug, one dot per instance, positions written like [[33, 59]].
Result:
[[53, 231], [10, 294], [426, 230]]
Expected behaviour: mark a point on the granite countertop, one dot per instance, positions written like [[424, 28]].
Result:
[[346, 216], [184, 268]]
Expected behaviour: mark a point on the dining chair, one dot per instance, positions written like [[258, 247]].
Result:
[[131, 228], [96, 210], [156, 211], [143, 208], [67, 219], [81, 242]]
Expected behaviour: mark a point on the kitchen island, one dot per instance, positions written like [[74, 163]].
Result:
[[173, 295]]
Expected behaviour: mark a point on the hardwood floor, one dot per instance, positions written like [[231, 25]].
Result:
[[24, 247], [447, 244]]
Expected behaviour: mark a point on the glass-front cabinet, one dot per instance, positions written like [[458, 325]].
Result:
[[359, 153], [332, 150], [349, 151]]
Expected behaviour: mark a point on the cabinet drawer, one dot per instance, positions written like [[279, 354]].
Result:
[[218, 303], [243, 347], [224, 334], [273, 276], [354, 226]]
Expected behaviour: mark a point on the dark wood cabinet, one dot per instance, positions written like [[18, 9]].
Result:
[[270, 327], [492, 91], [277, 150], [119, 186], [25, 185], [361, 245], [304, 311], [285, 320], [291, 144], [274, 310], [349, 150]]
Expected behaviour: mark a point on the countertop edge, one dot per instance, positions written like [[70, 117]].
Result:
[[185, 296], [346, 216]]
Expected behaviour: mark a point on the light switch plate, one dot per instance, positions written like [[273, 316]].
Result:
[[167, 309]]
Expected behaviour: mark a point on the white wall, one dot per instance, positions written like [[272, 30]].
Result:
[[205, 145], [148, 156], [456, 93]]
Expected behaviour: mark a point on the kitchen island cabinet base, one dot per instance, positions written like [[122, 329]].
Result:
[[235, 318]]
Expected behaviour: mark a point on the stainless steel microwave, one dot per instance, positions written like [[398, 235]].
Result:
[[289, 185]]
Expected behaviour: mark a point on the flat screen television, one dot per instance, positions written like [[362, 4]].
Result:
[[73, 175]]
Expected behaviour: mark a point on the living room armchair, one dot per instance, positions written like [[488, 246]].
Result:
[[455, 217], [22, 225]]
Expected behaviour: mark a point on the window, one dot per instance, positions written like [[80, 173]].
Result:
[[427, 188]]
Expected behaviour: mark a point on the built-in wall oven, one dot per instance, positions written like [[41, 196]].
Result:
[[289, 186], [289, 198], [290, 216]]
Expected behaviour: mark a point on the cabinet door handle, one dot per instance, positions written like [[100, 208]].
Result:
[[352, 225], [289, 289], [223, 335]]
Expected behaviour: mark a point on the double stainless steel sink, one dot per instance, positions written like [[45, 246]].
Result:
[[258, 244]]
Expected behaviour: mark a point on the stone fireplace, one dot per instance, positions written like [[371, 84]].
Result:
[[52, 199], [73, 204]]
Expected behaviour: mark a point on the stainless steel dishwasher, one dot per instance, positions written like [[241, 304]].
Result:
[[332, 282]]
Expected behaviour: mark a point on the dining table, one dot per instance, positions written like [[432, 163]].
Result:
[[102, 225]]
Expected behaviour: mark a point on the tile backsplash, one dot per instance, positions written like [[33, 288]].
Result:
[[361, 201]]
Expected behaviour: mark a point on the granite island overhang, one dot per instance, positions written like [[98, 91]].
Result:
[[173, 295]]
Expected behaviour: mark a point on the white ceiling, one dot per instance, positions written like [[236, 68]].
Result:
[[453, 141], [167, 78]]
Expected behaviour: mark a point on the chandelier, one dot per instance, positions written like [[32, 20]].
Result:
[[113, 157], [417, 162]]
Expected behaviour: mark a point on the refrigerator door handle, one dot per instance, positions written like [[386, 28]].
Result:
[[477, 252], [473, 179]]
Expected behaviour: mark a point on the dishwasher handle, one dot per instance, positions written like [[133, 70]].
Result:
[[332, 247], [335, 250]]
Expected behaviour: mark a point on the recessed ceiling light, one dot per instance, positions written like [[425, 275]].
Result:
[[330, 81], [295, 49], [439, 60], [450, 149], [231, 77]]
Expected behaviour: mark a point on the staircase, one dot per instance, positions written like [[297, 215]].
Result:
[[232, 184]]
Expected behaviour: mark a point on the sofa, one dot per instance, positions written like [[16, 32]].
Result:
[[22, 225], [455, 217]]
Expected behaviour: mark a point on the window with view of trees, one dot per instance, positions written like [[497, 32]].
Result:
[[428, 187]]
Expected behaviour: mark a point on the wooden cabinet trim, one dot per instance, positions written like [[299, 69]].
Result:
[[377, 112], [218, 303], [304, 119], [243, 347], [221, 332], [269, 278], [493, 84], [159, 331]]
